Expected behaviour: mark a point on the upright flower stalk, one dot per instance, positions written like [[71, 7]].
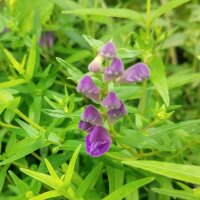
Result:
[[98, 139]]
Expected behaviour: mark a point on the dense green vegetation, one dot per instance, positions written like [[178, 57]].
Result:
[[45, 49]]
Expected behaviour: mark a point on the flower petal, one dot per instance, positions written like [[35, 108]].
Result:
[[111, 101], [92, 115], [135, 73], [108, 51], [98, 142], [115, 70], [117, 113], [88, 88]]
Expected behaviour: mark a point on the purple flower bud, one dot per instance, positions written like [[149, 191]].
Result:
[[97, 142], [117, 113], [135, 73], [92, 115], [111, 101], [115, 70], [108, 51], [88, 88], [47, 40], [95, 65], [86, 126]]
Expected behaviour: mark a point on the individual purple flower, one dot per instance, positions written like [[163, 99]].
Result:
[[115, 70], [88, 88], [117, 113], [90, 119], [47, 40], [135, 73], [95, 65], [97, 142], [92, 115], [111, 101], [108, 51]]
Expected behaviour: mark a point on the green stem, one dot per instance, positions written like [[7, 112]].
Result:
[[28, 120], [142, 100], [148, 16]]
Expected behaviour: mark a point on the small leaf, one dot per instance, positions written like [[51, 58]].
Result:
[[12, 83], [16, 65], [158, 78], [3, 173], [31, 63], [46, 195]]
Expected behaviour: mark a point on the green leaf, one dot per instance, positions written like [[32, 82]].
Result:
[[24, 147], [123, 191], [21, 185], [47, 195], [28, 129], [12, 83], [96, 44], [167, 7], [187, 173], [115, 178], [52, 172], [16, 65], [3, 173], [190, 195], [31, 63], [46, 179], [71, 70], [158, 78], [89, 181], [70, 169], [109, 12]]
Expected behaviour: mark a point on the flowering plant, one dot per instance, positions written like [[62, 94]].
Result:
[[98, 140]]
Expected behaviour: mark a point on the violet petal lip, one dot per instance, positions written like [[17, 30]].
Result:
[[113, 71], [117, 113], [136, 73], [108, 51], [86, 126], [98, 142], [88, 88], [111, 101], [92, 115]]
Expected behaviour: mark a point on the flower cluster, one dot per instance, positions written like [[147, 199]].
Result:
[[98, 139]]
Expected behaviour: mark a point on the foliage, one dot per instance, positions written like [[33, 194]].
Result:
[[45, 49]]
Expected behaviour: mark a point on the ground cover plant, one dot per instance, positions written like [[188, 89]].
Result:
[[99, 99]]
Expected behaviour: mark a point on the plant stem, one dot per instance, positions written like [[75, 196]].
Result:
[[142, 100], [148, 16], [28, 120]]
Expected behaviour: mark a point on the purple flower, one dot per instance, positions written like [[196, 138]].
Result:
[[115, 70], [90, 119], [95, 65], [92, 115], [117, 113], [86, 126], [88, 88], [47, 40], [108, 51], [111, 101], [135, 73], [97, 142]]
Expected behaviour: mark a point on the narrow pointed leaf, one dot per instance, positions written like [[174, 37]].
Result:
[[123, 191], [187, 173]]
